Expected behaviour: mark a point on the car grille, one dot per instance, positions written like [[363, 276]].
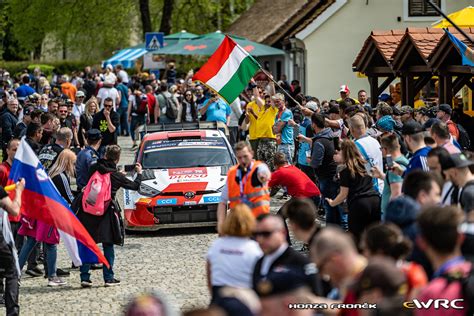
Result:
[[185, 213], [182, 193]]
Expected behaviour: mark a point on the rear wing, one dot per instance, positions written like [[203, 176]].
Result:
[[152, 128]]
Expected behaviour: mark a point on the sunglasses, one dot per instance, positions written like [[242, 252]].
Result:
[[264, 234], [62, 111], [108, 105]]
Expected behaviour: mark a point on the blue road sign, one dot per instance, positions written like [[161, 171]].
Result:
[[154, 41]]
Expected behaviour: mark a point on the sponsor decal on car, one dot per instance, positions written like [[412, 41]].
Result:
[[167, 201], [211, 199]]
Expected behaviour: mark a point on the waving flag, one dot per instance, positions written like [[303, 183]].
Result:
[[228, 70], [41, 201], [467, 53]]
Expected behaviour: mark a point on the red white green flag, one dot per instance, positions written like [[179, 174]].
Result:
[[228, 70]]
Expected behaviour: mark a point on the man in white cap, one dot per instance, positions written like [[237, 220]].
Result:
[[344, 92], [79, 105]]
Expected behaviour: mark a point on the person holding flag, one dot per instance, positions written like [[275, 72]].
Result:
[[45, 204], [8, 258]]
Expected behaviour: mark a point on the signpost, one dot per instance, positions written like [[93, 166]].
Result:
[[154, 41]]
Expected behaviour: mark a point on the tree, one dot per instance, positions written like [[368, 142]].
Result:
[[166, 16], [144, 6]]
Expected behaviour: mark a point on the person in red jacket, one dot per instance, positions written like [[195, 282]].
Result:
[[4, 173], [296, 182]]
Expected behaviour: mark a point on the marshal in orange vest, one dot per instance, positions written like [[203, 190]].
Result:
[[257, 198]]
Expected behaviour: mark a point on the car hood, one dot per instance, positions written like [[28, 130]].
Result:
[[181, 179]]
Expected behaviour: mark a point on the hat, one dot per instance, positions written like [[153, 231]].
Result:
[[430, 122], [344, 88], [396, 111], [313, 106], [406, 109], [383, 274], [386, 123], [411, 127], [459, 161], [445, 108], [93, 134], [384, 97], [283, 279]]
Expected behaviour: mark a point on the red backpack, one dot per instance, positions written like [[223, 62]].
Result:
[[97, 194]]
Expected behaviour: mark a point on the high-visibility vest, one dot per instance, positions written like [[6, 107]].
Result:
[[256, 198]]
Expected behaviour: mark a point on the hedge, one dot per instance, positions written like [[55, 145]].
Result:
[[60, 67]]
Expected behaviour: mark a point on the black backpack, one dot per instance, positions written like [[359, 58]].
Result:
[[171, 108], [467, 285], [463, 140]]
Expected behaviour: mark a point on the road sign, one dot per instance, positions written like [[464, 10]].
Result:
[[154, 41]]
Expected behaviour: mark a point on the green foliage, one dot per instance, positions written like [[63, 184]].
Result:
[[61, 67]]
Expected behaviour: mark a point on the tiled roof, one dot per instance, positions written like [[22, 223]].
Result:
[[424, 39], [268, 21], [452, 30], [385, 41]]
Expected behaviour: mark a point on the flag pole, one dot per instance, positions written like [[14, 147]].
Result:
[[278, 85], [437, 9]]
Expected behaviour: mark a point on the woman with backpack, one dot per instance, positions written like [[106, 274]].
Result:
[[37, 231], [104, 221]]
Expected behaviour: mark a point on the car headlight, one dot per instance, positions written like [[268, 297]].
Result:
[[147, 190]]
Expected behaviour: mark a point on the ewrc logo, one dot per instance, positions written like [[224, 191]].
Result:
[[436, 304]]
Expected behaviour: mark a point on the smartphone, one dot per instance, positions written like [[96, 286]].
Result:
[[335, 141], [129, 168], [389, 162]]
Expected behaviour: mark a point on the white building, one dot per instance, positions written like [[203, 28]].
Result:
[[323, 37]]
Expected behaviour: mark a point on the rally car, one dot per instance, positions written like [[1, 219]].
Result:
[[184, 171]]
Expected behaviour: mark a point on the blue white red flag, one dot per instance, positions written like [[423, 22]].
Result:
[[42, 201], [466, 52]]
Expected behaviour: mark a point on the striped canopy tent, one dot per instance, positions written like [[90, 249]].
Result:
[[127, 56]]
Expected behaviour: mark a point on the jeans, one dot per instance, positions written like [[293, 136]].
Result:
[[123, 127], [51, 254], [334, 215], [288, 150], [166, 120], [233, 135], [108, 274], [136, 122]]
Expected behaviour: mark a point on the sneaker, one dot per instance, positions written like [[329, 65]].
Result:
[[134, 147], [112, 282], [2, 299], [86, 283], [35, 272], [62, 273], [56, 281], [96, 266]]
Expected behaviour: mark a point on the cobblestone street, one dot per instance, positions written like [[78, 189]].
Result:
[[171, 262]]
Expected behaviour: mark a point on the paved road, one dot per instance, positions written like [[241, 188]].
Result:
[[172, 262]]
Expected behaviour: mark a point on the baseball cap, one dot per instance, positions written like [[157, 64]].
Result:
[[313, 106], [406, 109], [344, 88], [411, 127], [386, 123], [459, 161], [80, 94], [384, 97], [430, 122], [93, 134], [445, 108]]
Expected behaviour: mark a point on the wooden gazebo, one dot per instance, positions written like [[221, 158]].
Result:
[[446, 62], [415, 55], [374, 60]]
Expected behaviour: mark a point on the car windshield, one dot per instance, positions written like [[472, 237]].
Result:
[[165, 154]]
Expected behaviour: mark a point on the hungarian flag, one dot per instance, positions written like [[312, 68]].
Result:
[[228, 70]]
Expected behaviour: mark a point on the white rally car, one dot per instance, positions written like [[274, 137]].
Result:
[[184, 172]]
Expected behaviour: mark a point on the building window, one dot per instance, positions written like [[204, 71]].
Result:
[[419, 8]]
